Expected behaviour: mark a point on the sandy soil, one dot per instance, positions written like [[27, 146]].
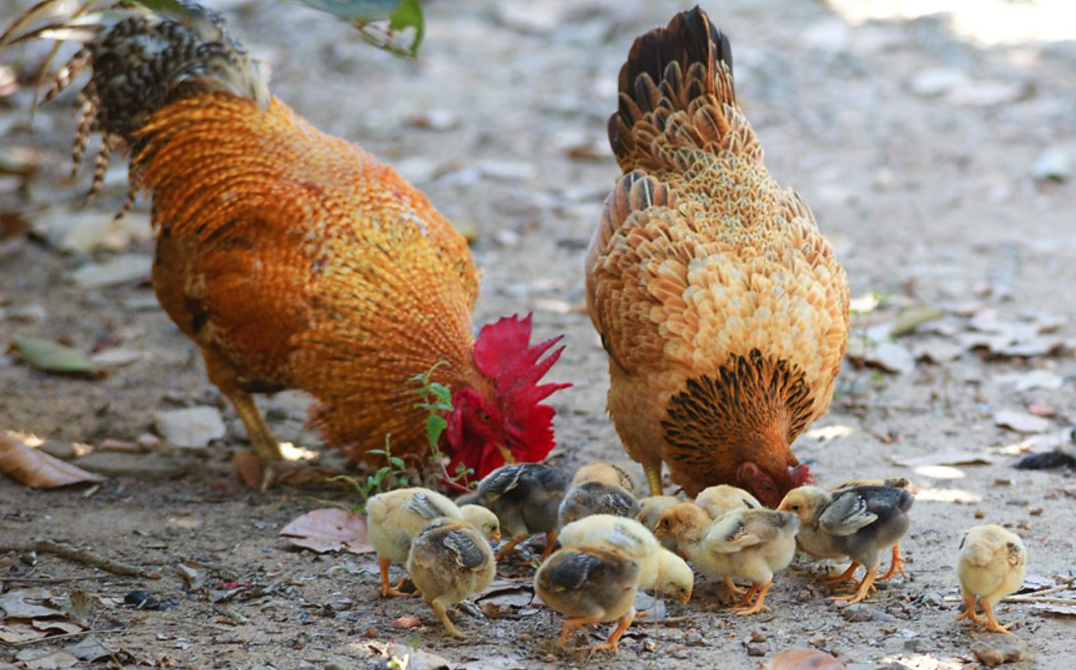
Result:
[[913, 140]]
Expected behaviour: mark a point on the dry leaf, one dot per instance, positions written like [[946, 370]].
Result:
[[35, 468], [329, 529], [912, 317], [249, 468], [49, 356], [948, 458], [802, 659], [409, 621], [1022, 422], [53, 660]]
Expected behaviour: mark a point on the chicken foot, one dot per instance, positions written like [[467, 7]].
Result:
[[611, 645], [862, 591], [759, 606], [846, 576], [990, 624], [896, 566], [442, 614], [387, 589]]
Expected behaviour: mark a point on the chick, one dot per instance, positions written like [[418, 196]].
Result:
[[448, 561], [858, 522], [610, 474], [659, 568], [717, 500], [758, 542], [650, 510], [991, 566], [687, 524], [526, 499], [484, 521], [896, 563], [589, 585], [394, 518], [594, 497]]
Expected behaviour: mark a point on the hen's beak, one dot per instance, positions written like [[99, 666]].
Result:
[[507, 454]]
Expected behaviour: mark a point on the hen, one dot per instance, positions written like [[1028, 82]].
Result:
[[292, 258], [721, 306]]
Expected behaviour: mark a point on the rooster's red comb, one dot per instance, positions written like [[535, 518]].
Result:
[[504, 354]]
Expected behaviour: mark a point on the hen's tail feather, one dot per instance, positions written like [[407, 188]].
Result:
[[676, 89], [140, 60]]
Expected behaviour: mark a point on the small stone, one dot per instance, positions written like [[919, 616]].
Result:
[[979, 514], [999, 649], [757, 648], [859, 613], [123, 269], [1054, 164], [931, 599], [915, 645], [694, 638], [758, 636], [194, 427]]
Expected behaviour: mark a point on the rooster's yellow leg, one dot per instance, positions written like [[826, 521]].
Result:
[[759, 605], [653, 478], [969, 610], [262, 440], [992, 624], [846, 576], [610, 645], [896, 566]]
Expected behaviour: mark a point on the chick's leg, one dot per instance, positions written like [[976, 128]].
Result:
[[550, 540], [759, 605], [992, 624], [745, 599], [442, 613], [969, 610], [733, 592], [507, 548], [386, 588], [846, 576], [611, 645], [573, 624], [896, 566], [864, 590]]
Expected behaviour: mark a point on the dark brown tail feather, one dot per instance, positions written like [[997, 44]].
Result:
[[697, 49]]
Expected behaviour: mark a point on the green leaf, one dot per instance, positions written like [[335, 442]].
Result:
[[50, 356], [443, 393], [435, 425], [401, 15]]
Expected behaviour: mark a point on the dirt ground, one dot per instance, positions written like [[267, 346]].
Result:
[[916, 140]]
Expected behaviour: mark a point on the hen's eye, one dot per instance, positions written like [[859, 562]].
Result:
[[483, 417]]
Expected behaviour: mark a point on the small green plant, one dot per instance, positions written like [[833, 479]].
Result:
[[394, 469], [436, 399]]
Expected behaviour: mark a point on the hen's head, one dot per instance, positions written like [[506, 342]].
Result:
[[510, 419], [770, 482]]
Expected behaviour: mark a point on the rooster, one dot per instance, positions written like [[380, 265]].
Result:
[[295, 260], [721, 306]]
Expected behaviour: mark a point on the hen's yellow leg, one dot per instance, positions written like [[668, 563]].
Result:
[[653, 478], [896, 566], [611, 645], [224, 377], [969, 610], [992, 624], [759, 605]]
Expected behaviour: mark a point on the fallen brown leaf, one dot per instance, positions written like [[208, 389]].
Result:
[[802, 659], [409, 621], [35, 468], [329, 529]]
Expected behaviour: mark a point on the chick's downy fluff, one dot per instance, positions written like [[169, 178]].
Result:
[[859, 522], [717, 500], [589, 585], [721, 306], [659, 568], [394, 518], [592, 497], [296, 260], [992, 564], [526, 499], [449, 561], [758, 543]]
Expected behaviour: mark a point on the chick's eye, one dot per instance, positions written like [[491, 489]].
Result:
[[795, 508]]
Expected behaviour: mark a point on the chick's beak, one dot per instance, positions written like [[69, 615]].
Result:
[[685, 597], [495, 536]]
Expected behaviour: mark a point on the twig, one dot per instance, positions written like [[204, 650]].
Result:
[[1034, 599], [44, 580], [670, 621], [81, 556]]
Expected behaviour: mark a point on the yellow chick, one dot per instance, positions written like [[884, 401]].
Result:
[[659, 569], [992, 564], [687, 524], [717, 500], [589, 585], [484, 521], [394, 518], [609, 474], [448, 561], [858, 522], [526, 498], [758, 543], [650, 510]]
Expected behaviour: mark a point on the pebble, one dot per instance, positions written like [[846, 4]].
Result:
[[193, 427], [1054, 164], [932, 599], [1002, 649], [123, 269], [859, 612]]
